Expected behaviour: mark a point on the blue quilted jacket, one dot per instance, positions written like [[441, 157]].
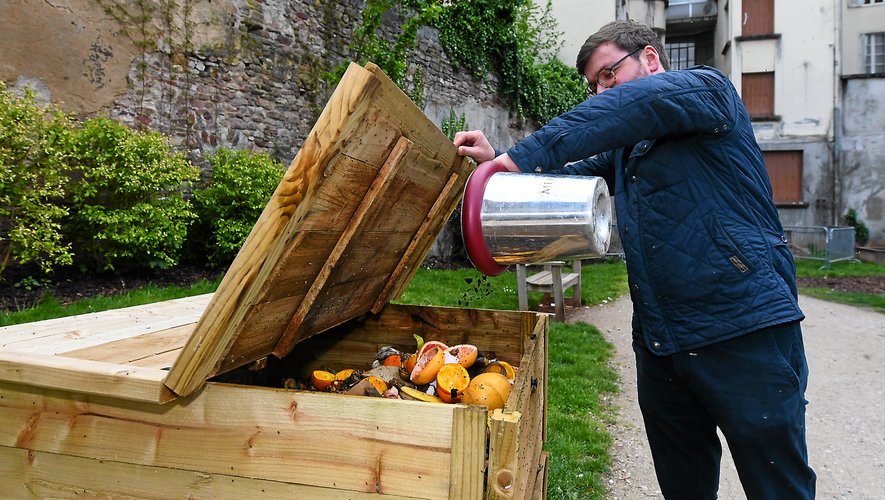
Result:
[[706, 256]]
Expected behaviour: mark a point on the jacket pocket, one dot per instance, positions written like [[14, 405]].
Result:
[[728, 246]]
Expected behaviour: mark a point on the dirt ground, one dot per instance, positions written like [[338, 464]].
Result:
[[71, 286], [845, 417]]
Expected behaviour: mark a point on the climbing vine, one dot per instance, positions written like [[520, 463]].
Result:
[[144, 22], [514, 40]]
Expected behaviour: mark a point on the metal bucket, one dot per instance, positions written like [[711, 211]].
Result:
[[511, 218]]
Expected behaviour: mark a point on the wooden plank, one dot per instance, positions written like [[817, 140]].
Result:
[[151, 350], [518, 430], [429, 236], [28, 473], [271, 235], [59, 335], [502, 475], [423, 132], [540, 492], [468, 453], [531, 403], [347, 179], [350, 443], [379, 186], [400, 273], [89, 377], [496, 332]]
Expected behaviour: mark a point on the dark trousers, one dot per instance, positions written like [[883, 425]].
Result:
[[753, 389]]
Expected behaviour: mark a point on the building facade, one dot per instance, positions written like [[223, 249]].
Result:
[[812, 75]]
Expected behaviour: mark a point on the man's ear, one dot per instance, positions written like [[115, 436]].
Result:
[[652, 59]]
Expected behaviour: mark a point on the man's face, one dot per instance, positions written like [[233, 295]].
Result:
[[610, 65]]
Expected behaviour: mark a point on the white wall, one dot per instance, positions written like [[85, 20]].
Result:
[[855, 22], [578, 19]]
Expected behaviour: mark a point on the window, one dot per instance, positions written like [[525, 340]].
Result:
[[682, 55], [758, 17], [757, 90], [871, 2], [874, 53], [785, 171]]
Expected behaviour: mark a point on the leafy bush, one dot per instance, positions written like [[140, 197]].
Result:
[[33, 146], [861, 231], [556, 88], [230, 203], [127, 206]]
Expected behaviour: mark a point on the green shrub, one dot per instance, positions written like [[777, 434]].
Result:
[[33, 146], [554, 89], [128, 210], [228, 205], [861, 231]]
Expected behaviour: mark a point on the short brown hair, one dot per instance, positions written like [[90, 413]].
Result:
[[628, 35]]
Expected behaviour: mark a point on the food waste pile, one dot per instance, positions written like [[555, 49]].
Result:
[[434, 373]]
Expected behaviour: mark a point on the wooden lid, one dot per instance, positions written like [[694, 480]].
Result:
[[348, 226]]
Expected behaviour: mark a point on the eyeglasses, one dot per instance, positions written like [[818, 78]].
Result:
[[606, 76]]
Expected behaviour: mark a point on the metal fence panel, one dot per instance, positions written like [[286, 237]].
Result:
[[826, 243]]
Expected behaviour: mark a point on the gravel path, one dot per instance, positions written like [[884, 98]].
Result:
[[845, 418]]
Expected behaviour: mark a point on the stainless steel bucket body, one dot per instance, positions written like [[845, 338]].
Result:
[[529, 218]]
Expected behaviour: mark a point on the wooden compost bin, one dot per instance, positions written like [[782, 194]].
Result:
[[183, 398]]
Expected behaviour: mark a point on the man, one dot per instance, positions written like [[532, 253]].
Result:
[[716, 320]]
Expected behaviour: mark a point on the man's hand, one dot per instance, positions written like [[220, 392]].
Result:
[[473, 143]]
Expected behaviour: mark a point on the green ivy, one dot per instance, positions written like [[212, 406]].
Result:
[[370, 44], [514, 40]]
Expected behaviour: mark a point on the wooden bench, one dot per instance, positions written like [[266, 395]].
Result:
[[550, 281]]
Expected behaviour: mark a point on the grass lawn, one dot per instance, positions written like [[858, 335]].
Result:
[[846, 272]]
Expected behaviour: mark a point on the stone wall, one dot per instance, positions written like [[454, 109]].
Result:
[[244, 74]]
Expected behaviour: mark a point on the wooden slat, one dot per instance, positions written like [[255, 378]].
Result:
[[346, 443], [540, 492], [401, 273], [32, 474], [379, 186], [270, 237], [88, 377], [531, 403], [519, 429], [151, 350], [347, 345], [502, 475], [60, 335], [469, 449]]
